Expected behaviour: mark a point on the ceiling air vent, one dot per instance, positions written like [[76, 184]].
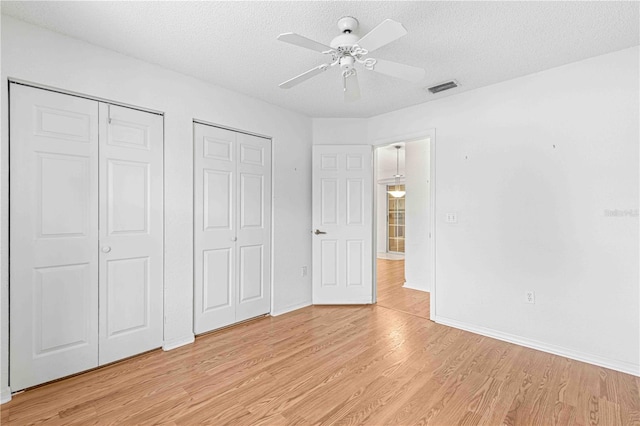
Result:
[[443, 86]]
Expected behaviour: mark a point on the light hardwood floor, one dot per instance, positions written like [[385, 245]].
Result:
[[391, 293], [345, 365]]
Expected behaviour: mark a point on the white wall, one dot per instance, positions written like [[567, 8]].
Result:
[[530, 165], [347, 131], [381, 218], [417, 267], [37, 55], [386, 161]]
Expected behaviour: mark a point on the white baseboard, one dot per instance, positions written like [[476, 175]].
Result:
[[414, 286], [288, 309], [176, 343], [343, 301], [389, 256], [5, 395], [625, 367]]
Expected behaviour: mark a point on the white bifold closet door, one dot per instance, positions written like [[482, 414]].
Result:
[[86, 230], [131, 232], [232, 227]]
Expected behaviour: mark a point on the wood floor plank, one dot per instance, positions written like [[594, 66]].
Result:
[[392, 294], [385, 364], [629, 398]]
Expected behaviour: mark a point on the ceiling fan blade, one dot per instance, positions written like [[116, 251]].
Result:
[[351, 88], [394, 69], [301, 41], [386, 32], [304, 76]]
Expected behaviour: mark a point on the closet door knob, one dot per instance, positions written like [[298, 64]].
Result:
[[234, 238], [106, 249]]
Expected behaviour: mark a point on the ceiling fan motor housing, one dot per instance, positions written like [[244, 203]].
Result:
[[347, 24], [345, 40]]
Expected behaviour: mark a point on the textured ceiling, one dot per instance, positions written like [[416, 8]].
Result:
[[233, 44]]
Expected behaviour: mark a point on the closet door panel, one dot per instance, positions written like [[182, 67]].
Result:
[[131, 232], [128, 190], [53, 234], [251, 267], [254, 230], [217, 196], [215, 213], [218, 293], [127, 290]]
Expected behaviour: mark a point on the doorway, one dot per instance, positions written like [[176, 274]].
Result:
[[403, 225]]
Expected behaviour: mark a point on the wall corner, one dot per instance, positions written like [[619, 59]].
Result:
[[176, 343], [5, 395]]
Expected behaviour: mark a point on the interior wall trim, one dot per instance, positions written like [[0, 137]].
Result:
[[287, 309], [176, 343], [416, 286], [82, 95], [220, 126], [613, 364]]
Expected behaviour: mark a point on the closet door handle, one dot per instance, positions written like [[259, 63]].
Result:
[[318, 232], [106, 249], [234, 238]]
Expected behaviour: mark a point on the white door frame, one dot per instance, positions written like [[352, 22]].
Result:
[[272, 224], [412, 137]]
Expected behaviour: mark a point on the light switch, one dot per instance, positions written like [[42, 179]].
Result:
[[451, 217]]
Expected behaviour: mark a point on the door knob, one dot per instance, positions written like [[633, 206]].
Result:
[[234, 238], [318, 232], [106, 249]]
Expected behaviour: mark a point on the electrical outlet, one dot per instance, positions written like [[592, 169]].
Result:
[[303, 271], [530, 296]]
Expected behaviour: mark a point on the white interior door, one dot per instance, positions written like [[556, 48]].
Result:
[[342, 224], [131, 232], [253, 247], [215, 181], [53, 234], [232, 221]]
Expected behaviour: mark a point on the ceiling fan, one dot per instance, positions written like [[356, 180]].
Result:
[[348, 49]]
